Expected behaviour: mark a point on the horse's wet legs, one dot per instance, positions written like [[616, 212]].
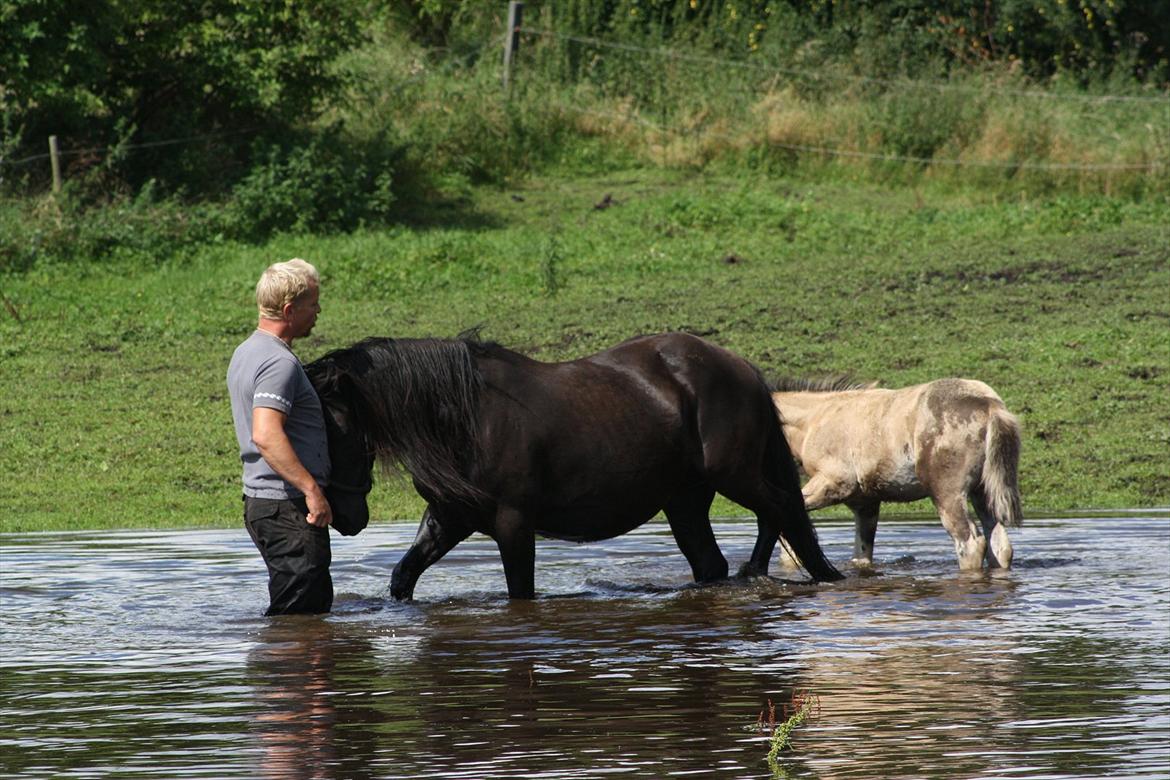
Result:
[[772, 491], [434, 539], [865, 522], [517, 542], [819, 492], [999, 546], [787, 561], [690, 523], [970, 544]]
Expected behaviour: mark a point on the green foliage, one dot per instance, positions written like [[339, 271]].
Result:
[[803, 707], [324, 185], [550, 265], [449, 24], [327, 183], [916, 122], [165, 70], [449, 115], [733, 86], [70, 229], [1088, 38]]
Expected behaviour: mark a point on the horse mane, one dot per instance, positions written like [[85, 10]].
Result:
[[831, 384], [417, 401]]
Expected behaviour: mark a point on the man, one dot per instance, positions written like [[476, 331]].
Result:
[[281, 432]]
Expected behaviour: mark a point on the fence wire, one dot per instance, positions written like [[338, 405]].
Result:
[[772, 70], [944, 86], [107, 150], [856, 154], [637, 118]]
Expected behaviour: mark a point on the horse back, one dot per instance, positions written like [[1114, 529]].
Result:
[[575, 432], [634, 421], [719, 391], [869, 443]]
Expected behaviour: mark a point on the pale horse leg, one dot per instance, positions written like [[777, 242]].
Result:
[[819, 492], [865, 521], [970, 544], [999, 548]]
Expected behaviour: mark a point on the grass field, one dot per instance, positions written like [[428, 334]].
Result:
[[113, 410]]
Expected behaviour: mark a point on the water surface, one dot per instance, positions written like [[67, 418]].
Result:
[[145, 655]]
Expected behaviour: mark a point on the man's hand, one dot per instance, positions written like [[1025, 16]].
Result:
[[320, 513]]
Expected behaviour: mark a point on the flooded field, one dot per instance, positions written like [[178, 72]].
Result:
[[145, 655]]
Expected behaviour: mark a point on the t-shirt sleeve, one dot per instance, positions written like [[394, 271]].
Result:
[[276, 386]]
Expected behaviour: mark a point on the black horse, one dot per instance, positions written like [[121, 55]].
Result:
[[584, 450]]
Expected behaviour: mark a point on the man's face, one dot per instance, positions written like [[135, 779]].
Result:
[[305, 309]]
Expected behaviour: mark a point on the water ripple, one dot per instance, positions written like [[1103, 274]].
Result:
[[144, 654]]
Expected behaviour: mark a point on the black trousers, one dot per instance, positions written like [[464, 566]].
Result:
[[296, 553]]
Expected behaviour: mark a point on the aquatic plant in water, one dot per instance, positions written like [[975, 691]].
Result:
[[801, 708]]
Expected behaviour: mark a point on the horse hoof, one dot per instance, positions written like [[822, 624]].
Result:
[[749, 570]]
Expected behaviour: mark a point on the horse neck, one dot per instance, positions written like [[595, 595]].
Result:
[[796, 411]]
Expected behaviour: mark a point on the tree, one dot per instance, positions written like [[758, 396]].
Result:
[[146, 72]]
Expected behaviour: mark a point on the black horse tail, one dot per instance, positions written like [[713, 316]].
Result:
[[797, 531], [420, 409]]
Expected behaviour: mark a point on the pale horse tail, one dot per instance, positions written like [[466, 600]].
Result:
[[1001, 461]]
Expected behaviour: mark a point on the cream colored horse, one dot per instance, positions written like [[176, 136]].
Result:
[[950, 440]]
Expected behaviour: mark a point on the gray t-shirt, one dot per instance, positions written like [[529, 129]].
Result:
[[265, 372]]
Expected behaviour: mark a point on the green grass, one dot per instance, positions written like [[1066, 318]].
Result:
[[113, 410]]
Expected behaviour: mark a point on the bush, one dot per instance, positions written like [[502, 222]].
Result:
[[1090, 38], [69, 229], [327, 184]]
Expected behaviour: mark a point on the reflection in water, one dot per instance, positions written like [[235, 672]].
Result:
[[653, 682], [922, 675], [291, 669], [1056, 669]]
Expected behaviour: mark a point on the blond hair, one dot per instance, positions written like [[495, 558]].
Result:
[[283, 283]]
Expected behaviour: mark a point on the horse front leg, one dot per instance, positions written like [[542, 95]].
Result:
[[865, 522], [435, 538], [516, 540]]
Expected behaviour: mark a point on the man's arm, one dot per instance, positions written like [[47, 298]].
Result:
[[274, 446]]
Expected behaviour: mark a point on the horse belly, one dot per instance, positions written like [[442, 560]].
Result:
[[895, 480], [589, 524]]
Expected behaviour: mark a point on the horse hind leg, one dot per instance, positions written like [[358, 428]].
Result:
[[819, 492], [999, 546], [781, 513], [766, 482], [997, 495], [690, 522], [970, 544]]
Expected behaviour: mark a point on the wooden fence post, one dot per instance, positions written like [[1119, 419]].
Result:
[[55, 162], [512, 41]]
